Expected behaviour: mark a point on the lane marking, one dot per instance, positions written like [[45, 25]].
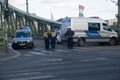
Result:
[[20, 71], [37, 53], [53, 59], [19, 74], [83, 60], [37, 77], [27, 54], [95, 48], [89, 60], [47, 51], [61, 50]]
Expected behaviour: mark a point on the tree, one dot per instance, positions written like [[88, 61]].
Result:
[[118, 16]]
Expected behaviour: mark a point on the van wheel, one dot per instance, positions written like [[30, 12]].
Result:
[[112, 42], [81, 42]]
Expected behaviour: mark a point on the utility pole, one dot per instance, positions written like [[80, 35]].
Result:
[[6, 17], [27, 10]]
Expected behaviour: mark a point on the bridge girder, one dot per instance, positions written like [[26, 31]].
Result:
[[18, 19]]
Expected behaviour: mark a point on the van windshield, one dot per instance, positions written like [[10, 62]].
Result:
[[22, 34], [106, 27]]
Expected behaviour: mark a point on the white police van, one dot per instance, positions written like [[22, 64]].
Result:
[[89, 30], [23, 38]]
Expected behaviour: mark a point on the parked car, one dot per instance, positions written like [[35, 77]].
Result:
[[22, 38]]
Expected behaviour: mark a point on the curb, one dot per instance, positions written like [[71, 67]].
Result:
[[17, 54]]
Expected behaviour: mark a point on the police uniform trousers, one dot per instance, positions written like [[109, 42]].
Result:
[[70, 42], [53, 42], [47, 43]]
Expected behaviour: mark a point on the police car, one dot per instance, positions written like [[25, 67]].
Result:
[[23, 38]]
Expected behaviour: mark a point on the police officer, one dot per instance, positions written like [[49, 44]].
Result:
[[69, 35], [53, 36], [47, 39]]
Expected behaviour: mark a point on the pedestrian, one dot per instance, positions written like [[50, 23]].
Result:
[[47, 39], [53, 36], [69, 35]]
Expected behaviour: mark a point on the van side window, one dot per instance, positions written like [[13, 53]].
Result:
[[106, 27], [94, 26]]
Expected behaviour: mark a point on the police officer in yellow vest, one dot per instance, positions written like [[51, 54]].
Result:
[[47, 39], [53, 36]]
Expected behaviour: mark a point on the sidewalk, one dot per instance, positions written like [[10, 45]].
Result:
[[6, 54]]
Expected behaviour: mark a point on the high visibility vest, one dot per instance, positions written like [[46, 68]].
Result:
[[45, 34], [53, 34]]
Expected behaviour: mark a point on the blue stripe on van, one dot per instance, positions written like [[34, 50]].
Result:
[[93, 34]]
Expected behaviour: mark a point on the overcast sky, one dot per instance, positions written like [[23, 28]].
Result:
[[61, 8]]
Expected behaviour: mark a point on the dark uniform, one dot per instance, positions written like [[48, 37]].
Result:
[[53, 36], [69, 35], [47, 40]]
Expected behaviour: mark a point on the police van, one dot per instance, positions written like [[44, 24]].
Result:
[[23, 38], [89, 30]]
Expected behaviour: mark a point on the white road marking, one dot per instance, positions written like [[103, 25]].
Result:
[[53, 59], [97, 48], [21, 71], [27, 55], [37, 77], [61, 50], [46, 51], [38, 53], [20, 74], [87, 60], [57, 63]]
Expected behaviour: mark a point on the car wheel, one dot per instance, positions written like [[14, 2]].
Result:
[[81, 42]]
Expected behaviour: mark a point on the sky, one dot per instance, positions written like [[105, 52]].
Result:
[[104, 9]]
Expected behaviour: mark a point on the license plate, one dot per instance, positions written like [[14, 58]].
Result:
[[21, 44]]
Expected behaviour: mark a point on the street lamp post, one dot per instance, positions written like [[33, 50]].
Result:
[[27, 6], [6, 17]]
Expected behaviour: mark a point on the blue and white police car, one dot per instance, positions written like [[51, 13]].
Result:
[[23, 38]]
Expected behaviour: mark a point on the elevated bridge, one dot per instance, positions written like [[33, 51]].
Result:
[[17, 18]]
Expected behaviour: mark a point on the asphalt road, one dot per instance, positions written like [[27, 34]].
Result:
[[91, 62]]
